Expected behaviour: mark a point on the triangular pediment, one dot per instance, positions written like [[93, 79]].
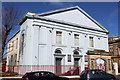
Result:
[[74, 15]]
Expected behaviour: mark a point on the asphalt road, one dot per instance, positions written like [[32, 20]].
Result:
[[118, 77], [21, 79]]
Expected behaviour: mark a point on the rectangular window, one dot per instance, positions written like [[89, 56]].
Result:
[[12, 45], [16, 43], [11, 60], [15, 59], [76, 39], [119, 51], [91, 41], [22, 43], [69, 58], [58, 37], [9, 47], [86, 58]]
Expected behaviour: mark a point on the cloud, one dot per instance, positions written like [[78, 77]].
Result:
[[62, 4], [113, 18], [114, 13], [112, 22]]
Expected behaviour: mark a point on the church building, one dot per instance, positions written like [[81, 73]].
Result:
[[62, 39]]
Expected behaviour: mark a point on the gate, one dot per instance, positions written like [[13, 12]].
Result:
[[100, 66]]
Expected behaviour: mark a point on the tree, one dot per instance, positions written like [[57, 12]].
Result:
[[10, 18]]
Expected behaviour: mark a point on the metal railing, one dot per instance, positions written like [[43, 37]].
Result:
[[57, 69]]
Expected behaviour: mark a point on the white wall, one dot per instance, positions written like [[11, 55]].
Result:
[[40, 43], [27, 29], [75, 16]]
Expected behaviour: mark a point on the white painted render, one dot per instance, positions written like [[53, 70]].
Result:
[[40, 39], [13, 50], [76, 17]]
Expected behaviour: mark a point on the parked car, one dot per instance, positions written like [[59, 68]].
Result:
[[96, 74], [42, 75]]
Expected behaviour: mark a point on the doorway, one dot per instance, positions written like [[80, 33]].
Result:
[[100, 64], [58, 65], [76, 62]]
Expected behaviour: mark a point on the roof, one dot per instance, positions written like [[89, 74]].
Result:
[[42, 16], [14, 35], [98, 52], [114, 39]]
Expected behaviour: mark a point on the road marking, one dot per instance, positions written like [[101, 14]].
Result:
[[9, 77]]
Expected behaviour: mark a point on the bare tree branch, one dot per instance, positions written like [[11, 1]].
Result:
[[10, 17]]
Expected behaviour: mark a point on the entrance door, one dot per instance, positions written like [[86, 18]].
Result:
[[76, 66], [76, 61], [58, 65], [100, 64]]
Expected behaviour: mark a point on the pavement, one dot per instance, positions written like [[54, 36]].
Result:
[[118, 77], [70, 77], [73, 77], [20, 78]]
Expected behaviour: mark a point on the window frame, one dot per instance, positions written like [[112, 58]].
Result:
[[58, 37], [91, 42], [76, 39], [16, 43]]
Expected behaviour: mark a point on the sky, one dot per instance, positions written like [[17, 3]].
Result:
[[106, 13]]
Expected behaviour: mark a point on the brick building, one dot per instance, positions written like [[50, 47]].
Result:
[[114, 49]]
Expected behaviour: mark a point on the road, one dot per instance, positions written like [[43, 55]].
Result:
[[21, 79], [118, 77]]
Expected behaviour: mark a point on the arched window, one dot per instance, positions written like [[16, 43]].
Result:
[[100, 61], [58, 51], [76, 52]]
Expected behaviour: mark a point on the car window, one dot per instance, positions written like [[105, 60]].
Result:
[[84, 72], [36, 74], [49, 74], [97, 72], [94, 72], [46, 74]]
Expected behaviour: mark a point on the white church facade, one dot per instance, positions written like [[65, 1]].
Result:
[[61, 37]]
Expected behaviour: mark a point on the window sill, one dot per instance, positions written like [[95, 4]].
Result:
[[76, 47], [59, 45], [91, 48], [42, 44]]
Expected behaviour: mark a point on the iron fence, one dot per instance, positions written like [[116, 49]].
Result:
[[118, 68], [57, 69]]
